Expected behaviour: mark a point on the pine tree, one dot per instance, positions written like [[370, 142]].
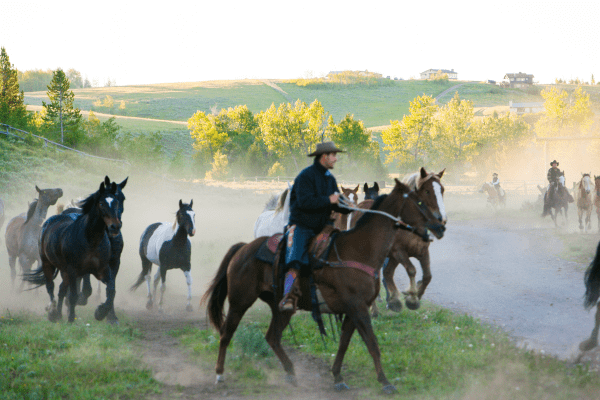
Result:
[[12, 107], [62, 117]]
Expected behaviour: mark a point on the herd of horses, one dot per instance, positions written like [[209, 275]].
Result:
[[348, 261]]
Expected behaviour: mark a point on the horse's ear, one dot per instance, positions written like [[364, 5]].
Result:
[[423, 172], [191, 203], [376, 186], [101, 188], [366, 187], [38, 189], [106, 181], [122, 184], [180, 203], [441, 173], [356, 189]]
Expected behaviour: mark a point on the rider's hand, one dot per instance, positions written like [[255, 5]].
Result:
[[334, 198]]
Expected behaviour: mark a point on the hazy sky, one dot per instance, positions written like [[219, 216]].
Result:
[[177, 41]]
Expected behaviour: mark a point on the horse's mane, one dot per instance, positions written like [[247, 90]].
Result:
[[88, 203], [281, 202], [31, 210], [276, 202], [366, 217], [414, 181]]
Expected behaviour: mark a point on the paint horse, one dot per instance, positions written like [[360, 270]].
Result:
[[597, 197], [585, 201], [429, 189], [23, 231], [372, 192], [78, 244], [347, 282], [84, 285], [168, 246], [341, 221], [275, 215]]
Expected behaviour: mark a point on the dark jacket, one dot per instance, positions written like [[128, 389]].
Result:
[[309, 201], [553, 174]]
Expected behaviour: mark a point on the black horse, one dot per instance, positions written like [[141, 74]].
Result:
[[167, 245], [371, 193], [79, 244], [116, 246], [557, 199]]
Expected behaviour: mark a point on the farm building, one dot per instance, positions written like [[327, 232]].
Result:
[[525, 108], [431, 72], [520, 80]]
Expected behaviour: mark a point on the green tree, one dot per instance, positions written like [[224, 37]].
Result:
[[62, 117], [407, 141], [12, 104], [74, 77], [35, 80], [564, 114]]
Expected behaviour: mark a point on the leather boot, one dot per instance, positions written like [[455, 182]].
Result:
[[290, 291]]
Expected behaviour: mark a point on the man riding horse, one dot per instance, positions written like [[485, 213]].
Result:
[[553, 176], [496, 184], [314, 195]]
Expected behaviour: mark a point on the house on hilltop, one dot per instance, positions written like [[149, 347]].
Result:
[[520, 80], [431, 72], [525, 108]]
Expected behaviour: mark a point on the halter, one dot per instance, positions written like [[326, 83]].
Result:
[[345, 203]]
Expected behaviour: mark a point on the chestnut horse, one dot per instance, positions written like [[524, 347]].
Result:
[[340, 220], [347, 281], [23, 231], [429, 188], [78, 244], [584, 200]]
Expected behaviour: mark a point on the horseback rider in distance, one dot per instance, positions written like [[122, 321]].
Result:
[[314, 195], [496, 184], [553, 174]]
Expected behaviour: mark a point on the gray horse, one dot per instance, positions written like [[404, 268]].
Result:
[[23, 231]]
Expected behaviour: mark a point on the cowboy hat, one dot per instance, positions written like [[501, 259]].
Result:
[[494, 174], [325, 147], [554, 162]]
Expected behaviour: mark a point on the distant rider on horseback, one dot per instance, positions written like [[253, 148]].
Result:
[[496, 184], [553, 188], [314, 195]]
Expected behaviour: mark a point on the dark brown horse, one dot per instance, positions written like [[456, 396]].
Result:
[[23, 231], [429, 188], [346, 290], [592, 293], [597, 197], [78, 244]]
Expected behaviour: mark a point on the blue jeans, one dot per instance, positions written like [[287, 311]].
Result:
[[297, 239]]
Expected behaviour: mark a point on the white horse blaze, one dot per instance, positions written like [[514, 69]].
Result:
[[109, 200], [193, 217], [437, 188]]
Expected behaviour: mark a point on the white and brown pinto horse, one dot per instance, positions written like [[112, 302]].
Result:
[[342, 221], [585, 201], [430, 190]]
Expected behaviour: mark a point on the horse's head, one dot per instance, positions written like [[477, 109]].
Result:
[[119, 194], [104, 204], [429, 188], [351, 194], [561, 179], [415, 213], [49, 197], [186, 217], [371, 193], [585, 185]]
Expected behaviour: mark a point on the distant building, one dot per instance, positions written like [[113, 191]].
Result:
[[525, 108], [431, 72], [520, 80]]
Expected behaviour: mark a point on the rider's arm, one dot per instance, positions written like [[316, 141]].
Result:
[[306, 194]]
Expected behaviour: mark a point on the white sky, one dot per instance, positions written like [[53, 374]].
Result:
[[179, 41]]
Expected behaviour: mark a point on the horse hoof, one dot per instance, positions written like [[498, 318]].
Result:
[[291, 379], [587, 345], [390, 389], [219, 380], [412, 303], [82, 301], [395, 305], [54, 316], [101, 312], [189, 308], [149, 305], [375, 315], [341, 386]]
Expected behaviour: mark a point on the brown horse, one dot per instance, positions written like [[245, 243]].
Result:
[[597, 197], [494, 198], [584, 200], [429, 188], [348, 287], [341, 220], [23, 231]]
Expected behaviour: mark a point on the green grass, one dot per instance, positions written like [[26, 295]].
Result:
[[428, 354], [83, 360]]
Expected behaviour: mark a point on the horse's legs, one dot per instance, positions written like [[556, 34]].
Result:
[[103, 309], [579, 215], [12, 262], [148, 284], [162, 275], [592, 342], [86, 289], [63, 289], [72, 284], [425, 262], [188, 280], [53, 314], [232, 320], [348, 328], [114, 264], [279, 321], [392, 296], [25, 264]]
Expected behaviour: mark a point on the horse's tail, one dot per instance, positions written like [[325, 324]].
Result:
[[217, 292], [592, 282], [146, 266], [37, 277]]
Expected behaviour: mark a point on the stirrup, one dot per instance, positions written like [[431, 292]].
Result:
[[287, 304]]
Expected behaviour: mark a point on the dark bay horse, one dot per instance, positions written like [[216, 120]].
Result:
[[341, 221], [584, 199], [556, 200], [597, 197], [347, 281], [78, 244], [407, 245], [372, 192], [84, 285], [23, 231], [592, 293], [168, 246]]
